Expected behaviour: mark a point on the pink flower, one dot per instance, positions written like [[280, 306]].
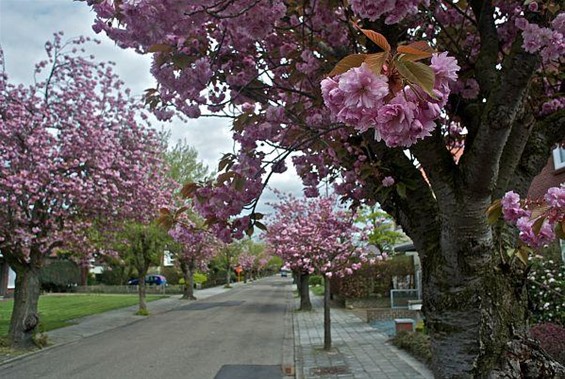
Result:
[[394, 121], [555, 197], [363, 88], [511, 208], [444, 67], [388, 181], [528, 236]]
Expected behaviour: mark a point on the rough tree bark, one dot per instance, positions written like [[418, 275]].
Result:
[[25, 317], [303, 285], [188, 275]]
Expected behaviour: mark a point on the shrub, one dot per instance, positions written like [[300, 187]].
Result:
[[417, 344], [374, 279], [198, 278], [316, 280], [172, 275], [551, 338], [59, 276], [546, 288]]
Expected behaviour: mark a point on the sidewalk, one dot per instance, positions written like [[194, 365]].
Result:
[[358, 350]]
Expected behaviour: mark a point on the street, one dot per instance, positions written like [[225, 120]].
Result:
[[237, 334]]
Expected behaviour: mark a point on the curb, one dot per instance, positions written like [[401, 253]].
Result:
[[288, 354]]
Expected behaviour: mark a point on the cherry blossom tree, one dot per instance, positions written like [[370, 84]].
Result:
[[317, 238], [72, 152], [197, 248], [432, 108]]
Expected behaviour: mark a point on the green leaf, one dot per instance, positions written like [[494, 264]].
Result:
[[417, 73], [376, 61], [377, 38], [401, 190], [350, 61], [494, 211]]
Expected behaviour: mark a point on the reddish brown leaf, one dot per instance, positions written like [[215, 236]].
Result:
[[350, 61], [376, 61], [415, 51], [536, 226], [188, 189], [377, 38], [159, 48]]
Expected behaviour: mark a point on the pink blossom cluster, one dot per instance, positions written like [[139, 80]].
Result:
[[247, 261], [394, 10], [313, 236], [549, 42], [521, 213], [361, 98]]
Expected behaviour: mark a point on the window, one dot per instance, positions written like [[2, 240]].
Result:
[[558, 158]]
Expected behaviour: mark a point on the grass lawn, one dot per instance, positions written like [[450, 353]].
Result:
[[317, 290], [57, 311]]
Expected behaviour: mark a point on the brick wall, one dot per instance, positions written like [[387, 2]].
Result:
[[548, 177]]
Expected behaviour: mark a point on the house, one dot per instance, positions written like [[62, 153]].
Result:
[[7, 279], [552, 175]]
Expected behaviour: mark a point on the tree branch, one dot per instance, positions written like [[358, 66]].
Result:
[[545, 135], [481, 164], [485, 68]]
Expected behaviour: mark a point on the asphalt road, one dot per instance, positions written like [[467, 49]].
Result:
[[237, 334]]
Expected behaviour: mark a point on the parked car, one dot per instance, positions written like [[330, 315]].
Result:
[[284, 273], [158, 280]]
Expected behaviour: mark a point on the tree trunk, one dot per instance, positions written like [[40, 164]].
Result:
[[188, 289], [475, 304], [25, 318], [327, 320], [228, 276], [297, 279], [141, 290], [305, 304]]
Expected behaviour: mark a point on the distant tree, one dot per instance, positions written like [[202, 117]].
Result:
[[184, 165], [318, 238], [381, 228], [226, 258], [142, 246], [195, 248]]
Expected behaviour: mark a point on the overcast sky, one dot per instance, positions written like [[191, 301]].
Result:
[[25, 26]]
